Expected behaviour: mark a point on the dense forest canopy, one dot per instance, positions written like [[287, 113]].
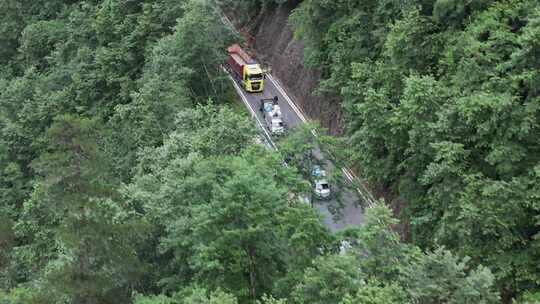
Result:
[[443, 109], [126, 176], [443, 112]]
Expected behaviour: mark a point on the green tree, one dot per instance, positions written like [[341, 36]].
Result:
[[441, 277], [329, 280], [74, 204], [374, 294], [227, 208], [39, 39], [17, 296], [382, 255], [182, 70], [193, 295], [198, 44], [441, 110], [221, 219]]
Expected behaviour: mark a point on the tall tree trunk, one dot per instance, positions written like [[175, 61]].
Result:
[[252, 272]]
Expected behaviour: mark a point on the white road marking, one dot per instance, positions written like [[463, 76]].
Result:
[[350, 176], [244, 99], [348, 173], [228, 22], [289, 100]]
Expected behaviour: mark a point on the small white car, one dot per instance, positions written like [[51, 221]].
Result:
[[322, 188]]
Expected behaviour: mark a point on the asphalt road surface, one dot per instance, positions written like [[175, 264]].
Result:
[[349, 213]]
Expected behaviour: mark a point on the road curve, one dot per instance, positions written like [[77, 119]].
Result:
[[351, 214]]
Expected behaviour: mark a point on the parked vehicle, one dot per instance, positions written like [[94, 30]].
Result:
[[271, 113], [245, 69], [321, 186]]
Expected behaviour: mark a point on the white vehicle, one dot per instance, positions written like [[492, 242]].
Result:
[[275, 125], [272, 115], [322, 188], [344, 247]]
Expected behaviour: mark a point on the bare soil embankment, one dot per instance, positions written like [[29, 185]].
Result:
[[274, 45], [271, 41]]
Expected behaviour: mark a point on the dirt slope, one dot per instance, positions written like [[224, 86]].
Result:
[[272, 38], [274, 45]]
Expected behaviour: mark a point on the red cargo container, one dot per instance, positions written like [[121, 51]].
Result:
[[238, 59], [245, 69]]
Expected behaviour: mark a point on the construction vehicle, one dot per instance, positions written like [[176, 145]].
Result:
[[248, 72], [271, 113]]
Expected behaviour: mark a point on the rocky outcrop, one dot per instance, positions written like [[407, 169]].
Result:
[[275, 46]]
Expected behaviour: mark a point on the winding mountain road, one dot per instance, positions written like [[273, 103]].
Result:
[[350, 212]]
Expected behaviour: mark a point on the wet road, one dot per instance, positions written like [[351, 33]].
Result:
[[350, 213]]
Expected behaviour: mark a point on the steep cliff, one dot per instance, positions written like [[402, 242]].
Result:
[[275, 46], [270, 37]]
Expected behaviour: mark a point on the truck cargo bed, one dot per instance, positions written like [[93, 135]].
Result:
[[238, 59]]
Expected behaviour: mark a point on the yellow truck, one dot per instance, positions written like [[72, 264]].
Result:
[[245, 69]]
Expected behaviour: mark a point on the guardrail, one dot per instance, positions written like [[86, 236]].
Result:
[[239, 91], [363, 191], [366, 195]]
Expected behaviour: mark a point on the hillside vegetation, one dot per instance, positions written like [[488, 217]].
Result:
[[127, 177], [443, 111]]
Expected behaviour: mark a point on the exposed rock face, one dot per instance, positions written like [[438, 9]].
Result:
[[275, 46], [272, 39]]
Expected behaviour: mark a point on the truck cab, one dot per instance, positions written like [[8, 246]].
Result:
[[253, 78], [245, 69]]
